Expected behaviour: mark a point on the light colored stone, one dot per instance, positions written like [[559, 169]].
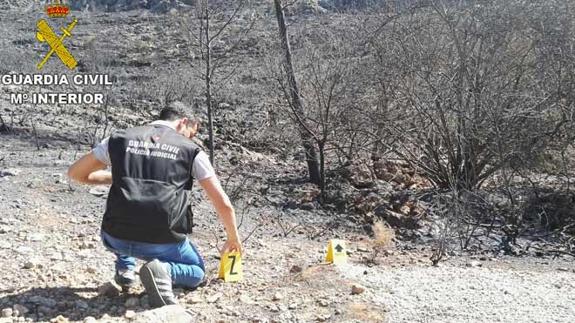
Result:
[[323, 303], [474, 264], [99, 191], [165, 314], [362, 249], [20, 308], [7, 312], [246, 299], [35, 237], [214, 298], [90, 319], [59, 319], [130, 314], [277, 297]]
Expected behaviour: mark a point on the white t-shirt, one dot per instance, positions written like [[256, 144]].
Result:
[[201, 169]]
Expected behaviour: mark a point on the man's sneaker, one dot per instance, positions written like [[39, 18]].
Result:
[[126, 278], [158, 284]]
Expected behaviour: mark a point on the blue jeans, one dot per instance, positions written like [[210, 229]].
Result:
[[185, 262]]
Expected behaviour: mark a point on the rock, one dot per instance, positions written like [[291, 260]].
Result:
[[224, 106], [195, 299], [81, 305], [28, 265], [20, 308], [292, 306], [35, 237], [130, 314], [59, 319], [24, 250], [90, 319], [396, 219], [295, 269], [10, 172], [109, 290], [45, 310], [474, 264], [362, 249], [99, 191], [274, 308], [277, 297], [87, 245], [132, 302], [165, 314], [7, 312], [357, 289], [246, 299], [213, 298], [323, 303], [359, 175]]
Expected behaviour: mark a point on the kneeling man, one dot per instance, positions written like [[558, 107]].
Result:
[[148, 213]]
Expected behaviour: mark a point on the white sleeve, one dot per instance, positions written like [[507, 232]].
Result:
[[202, 168], [101, 152]]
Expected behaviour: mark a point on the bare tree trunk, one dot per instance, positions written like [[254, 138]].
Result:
[[322, 171], [297, 102], [208, 85]]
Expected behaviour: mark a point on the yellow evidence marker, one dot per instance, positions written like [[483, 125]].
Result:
[[231, 267], [336, 253]]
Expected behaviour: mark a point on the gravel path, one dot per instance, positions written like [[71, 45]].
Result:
[[455, 294]]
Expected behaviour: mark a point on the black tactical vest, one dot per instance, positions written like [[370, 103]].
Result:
[[151, 182]]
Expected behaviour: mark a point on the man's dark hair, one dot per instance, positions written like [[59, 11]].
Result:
[[173, 111], [177, 110]]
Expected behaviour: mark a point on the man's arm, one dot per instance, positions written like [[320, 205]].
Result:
[[90, 170], [225, 210]]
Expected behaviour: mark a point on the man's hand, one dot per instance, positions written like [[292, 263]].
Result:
[[232, 245]]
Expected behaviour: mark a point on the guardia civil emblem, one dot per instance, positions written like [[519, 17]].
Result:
[[57, 12]]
